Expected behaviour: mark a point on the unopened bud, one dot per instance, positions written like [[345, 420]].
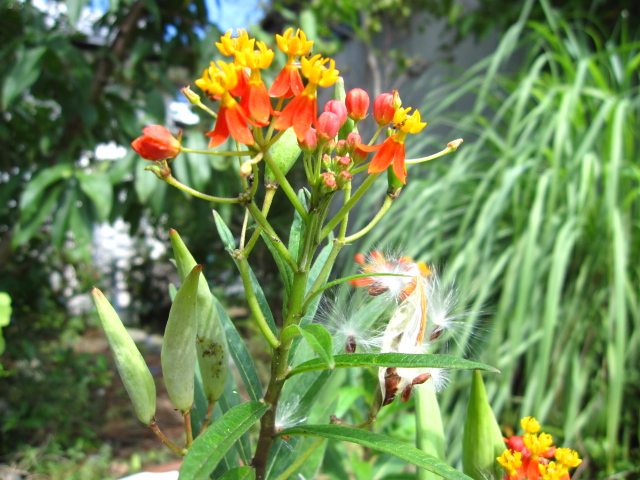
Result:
[[397, 102], [346, 175], [358, 155], [329, 180], [329, 146], [310, 141], [341, 147], [192, 96], [343, 162], [245, 169], [454, 144], [357, 103], [328, 125], [353, 140], [383, 109], [326, 161], [359, 258], [337, 107]]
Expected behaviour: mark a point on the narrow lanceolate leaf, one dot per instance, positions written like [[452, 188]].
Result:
[[178, 354], [230, 245], [133, 370], [404, 360], [209, 448], [381, 443], [320, 340], [240, 473]]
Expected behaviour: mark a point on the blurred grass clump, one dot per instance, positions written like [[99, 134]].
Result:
[[536, 219]]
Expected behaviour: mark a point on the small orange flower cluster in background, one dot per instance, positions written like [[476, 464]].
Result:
[[247, 104], [528, 456]]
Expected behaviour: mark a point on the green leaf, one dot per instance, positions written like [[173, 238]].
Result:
[[31, 199], [283, 267], [26, 229], [209, 448], [23, 74], [74, 9], [405, 360], [225, 234], [240, 354], [380, 443], [240, 473], [5, 316], [320, 340], [98, 188]]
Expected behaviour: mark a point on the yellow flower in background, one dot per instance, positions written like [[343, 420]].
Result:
[[530, 425], [568, 457]]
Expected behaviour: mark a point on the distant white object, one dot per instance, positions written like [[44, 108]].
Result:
[[173, 475], [181, 113]]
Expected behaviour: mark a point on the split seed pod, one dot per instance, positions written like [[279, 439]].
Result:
[[133, 370], [211, 341], [179, 346]]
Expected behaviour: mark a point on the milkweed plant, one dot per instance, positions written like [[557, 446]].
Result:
[[393, 333]]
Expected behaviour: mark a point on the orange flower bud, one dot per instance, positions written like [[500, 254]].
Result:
[[310, 141], [157, 143], [383, 109], [357, 103]]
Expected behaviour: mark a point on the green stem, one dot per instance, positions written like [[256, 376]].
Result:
[[316, 288], [375, 136], [385, 207], [277, 243], [441, 153], [286, 186], [300, 460], [266, 205], [252, 300], [170, 179], [349, 205], [213, 152]]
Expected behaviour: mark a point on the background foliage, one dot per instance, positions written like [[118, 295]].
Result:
[[535, 217]]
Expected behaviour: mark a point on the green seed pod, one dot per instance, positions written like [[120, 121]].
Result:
[[133, 370], [482, 442], [211, 341], [179, 346], [284, 152]]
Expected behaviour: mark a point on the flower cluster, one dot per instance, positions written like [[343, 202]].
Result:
[[528, 456], [246, 105]]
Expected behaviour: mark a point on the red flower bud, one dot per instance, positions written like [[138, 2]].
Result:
[[353, 140], [383, 109], [157, 143], [359, 258], [329, 180], [357, 102], [346, 175], [341, 147], [337, 107], [343, 162], [310, 141], [328, 125]]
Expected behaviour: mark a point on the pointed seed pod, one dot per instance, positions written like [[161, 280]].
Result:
[[133, 370], [178, 354], [211, 341], [482, 441]]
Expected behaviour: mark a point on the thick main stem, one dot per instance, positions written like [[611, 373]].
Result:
[[279, 368]]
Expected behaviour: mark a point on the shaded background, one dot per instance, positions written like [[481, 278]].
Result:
[[535, 217]]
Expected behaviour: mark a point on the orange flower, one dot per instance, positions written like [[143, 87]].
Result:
[[255, 98], [232, 120], [301, 112], [232, 47], [157, 143], [288, 82], [392, 150]]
